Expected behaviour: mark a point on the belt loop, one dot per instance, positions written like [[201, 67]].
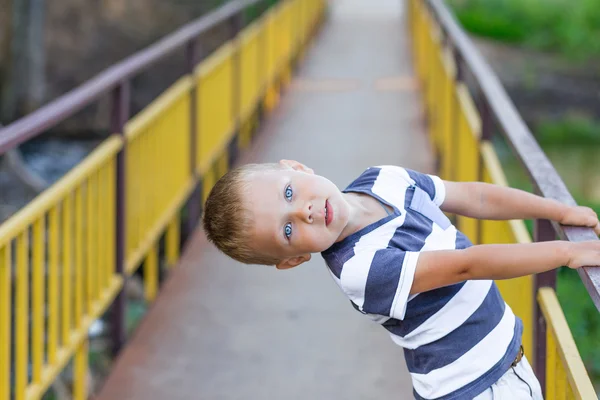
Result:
[[519, 356]]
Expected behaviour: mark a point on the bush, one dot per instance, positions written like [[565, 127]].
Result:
[[570, 130], [570, 28]]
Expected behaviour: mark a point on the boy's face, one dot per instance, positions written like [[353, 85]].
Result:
[[295, 213]]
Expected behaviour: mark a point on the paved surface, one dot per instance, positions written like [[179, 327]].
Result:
[[222, 330]]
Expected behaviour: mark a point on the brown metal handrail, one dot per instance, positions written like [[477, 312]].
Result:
[[68, 104], [543, 175]]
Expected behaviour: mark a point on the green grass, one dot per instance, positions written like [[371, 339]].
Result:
[[570, 28]]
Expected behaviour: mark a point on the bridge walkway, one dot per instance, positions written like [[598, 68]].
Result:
[[221, 330]]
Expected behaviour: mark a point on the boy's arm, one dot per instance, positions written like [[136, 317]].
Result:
[[441, 268], [487, 201]]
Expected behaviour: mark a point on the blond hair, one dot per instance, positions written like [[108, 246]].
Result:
[[227, 220]]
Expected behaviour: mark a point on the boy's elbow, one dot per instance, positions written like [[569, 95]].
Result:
[[465, 198], [466, 269], [466, 274], [436, 269]]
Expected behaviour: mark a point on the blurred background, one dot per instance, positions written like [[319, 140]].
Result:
[[546, 53]]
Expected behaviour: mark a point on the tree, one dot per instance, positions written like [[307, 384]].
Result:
[[24, 59], [36, 56], [22, 77]]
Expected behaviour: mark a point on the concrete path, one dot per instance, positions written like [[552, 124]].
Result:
[[222, 330]]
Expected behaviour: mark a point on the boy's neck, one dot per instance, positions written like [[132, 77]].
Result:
[[363, 211]]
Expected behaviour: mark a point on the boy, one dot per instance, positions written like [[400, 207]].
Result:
[[401, 262]]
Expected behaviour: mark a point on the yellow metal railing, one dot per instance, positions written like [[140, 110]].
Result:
[[57, 255], [456, 132], [566, 377], [159, 179], [268, 47], [63, 241], [214, 78]]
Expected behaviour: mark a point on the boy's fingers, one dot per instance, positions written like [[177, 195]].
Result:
[[597, 229]]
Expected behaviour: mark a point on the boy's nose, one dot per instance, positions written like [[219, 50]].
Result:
[[304, 212]]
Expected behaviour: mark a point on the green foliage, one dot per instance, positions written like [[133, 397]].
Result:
[[570, 130], [254, 11], [479, 19], [136, 310], [570, 28]]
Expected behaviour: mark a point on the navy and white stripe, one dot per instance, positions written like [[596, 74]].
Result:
[[458, 340]]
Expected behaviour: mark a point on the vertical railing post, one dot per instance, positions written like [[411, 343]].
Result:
[[193, 205], [543, 232], [443, 43], [263, 7], [298, 32], [454, 133], [460, 75], [236, 24], [120, 115], [486, 118], [486, 135]]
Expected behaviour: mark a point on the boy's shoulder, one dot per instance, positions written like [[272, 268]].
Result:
[[369, 175], [388, 183], [403, 175]]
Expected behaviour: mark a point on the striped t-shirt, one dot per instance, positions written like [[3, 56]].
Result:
[[459, 339]]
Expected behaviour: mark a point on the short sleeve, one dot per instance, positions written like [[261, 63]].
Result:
[[379, 282], [431, 184]]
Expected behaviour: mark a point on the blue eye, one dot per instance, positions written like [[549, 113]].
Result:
[[288, 193], [288, 230]]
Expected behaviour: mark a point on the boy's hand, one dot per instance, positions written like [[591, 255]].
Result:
[[584, 254], [581, 216]]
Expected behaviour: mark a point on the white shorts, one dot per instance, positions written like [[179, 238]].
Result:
[[517, 383]]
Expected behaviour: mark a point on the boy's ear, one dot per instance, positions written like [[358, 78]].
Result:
[[297, 166], [292, 261]]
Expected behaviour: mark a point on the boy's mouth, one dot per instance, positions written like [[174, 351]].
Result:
[[328, 213]]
